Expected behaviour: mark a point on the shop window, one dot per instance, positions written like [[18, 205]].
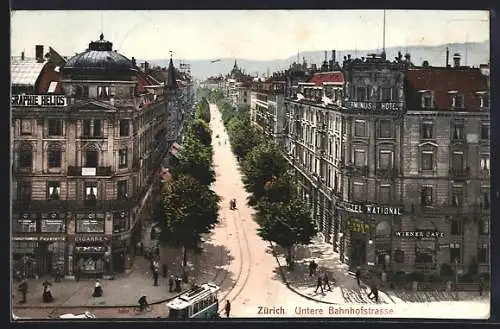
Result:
[[26, 156], [399, 256], [427, 160], [385, 159], [457, 195], [122, 189], [424, 256], [25, 224], [385, 129], [89, 223], [456, 227], [426, 197], [54, 156], [455, 253], [485, 131], [26, 128], [427, 130], [53, 190], [55, 127], [482, 253], [359, 128], [53, 223], [124, 128], [91, 158], [485, 198], [484, 226], [23, 190], [122, 158]]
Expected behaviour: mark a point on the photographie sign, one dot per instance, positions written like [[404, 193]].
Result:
[[39, 100]]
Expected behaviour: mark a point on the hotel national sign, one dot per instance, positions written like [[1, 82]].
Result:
[[371, 209], [39, 100]]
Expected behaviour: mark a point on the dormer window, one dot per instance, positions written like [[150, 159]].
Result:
[[457, 100], [484, 100], [103, 92], [426, 99]]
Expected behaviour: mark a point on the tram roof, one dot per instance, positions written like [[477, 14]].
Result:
[[193, 295]]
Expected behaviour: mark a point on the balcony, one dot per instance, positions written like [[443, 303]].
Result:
[[460, 174], [354, 170], [387, 172], [73, 205], [89, 171]]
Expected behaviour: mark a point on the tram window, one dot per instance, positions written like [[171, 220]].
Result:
[[178, 314]]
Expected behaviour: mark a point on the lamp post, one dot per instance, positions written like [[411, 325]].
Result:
[[456, 278]]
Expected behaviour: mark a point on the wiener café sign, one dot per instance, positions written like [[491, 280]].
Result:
[[39, 100]]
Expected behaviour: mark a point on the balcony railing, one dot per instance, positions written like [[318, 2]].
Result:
[[460, 174], [89, 171]]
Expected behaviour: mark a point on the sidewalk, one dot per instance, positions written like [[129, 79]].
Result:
[[343, 282]]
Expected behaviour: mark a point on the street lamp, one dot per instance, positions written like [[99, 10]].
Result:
[[456, 278]]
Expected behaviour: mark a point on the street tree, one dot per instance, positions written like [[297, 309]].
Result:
[[261, 165], [280, 189], [203, 110], [286, 223], [190, 210], [195, 160], [243, 135], [200, 130]]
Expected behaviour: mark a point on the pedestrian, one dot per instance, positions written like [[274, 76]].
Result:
[[227, 308], [234, 203], [325, 282], [481, 286], [311, 268], [97, 289], [319, 285], [155, 276], [373, 294], [47, 294], [23, 288], [164, 268], [141, 246], [358, 276], [178, 284], [170, 283]]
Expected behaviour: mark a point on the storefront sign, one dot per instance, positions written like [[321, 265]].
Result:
[[90, 238], [357, 226], [371, 209], [90, 249], [39, 100], [24, 238], [419, 234], [374, 106], [51, 238]]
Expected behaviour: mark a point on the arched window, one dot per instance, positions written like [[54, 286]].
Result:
[[25, 156], [91, 156], [54, 155], [383, 229]]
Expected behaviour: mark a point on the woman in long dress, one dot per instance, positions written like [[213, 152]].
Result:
[[97, 289], [47, 294]]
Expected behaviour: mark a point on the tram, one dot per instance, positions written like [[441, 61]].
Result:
[[198, 302]]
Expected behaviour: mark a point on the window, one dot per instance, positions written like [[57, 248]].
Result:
[[424, 256], [54, 156], [360, 128], [361, 94], [458, 101], [103, 92], [457, 195], [87, 124], [427, 160], [359, 191], [484, 226], [457, 160], [427, 130], [456, 227], [485, 198], [122, 189], [24, 190], [122, 158], [359, 158], [90, 223], [385, 194], [399, 256], [484, 162], [55, 127], [485, 131], [91, 158], [426, 100], [124, 128], [458, 131], [484, 101], [385, 160], [90, 191], [97, 128], [386, 94], [53, 190], [385, 129], [26, 127], [482, 253], [455, 253], [120, 221], [426, 195], [25, 156]]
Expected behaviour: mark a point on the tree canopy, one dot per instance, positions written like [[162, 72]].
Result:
[[203, 110], [195, 160], [201, 131], [244, 136], [280, 189]]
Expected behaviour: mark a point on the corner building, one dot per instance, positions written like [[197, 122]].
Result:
[[83, 168]]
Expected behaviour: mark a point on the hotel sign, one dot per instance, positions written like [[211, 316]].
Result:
[[371, 209], [374, 106], [39, 100]]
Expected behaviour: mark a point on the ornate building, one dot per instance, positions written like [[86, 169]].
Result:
[[84, 162]]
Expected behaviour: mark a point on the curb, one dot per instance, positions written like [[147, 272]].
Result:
[[289, 286]]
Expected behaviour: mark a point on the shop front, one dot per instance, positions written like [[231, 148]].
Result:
[[120, 248], [91, 255]]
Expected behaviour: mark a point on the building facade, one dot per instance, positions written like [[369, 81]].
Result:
[[84, 158]]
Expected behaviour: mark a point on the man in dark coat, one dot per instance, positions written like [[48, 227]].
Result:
[[171, 283], [227, 308], [358, 276], [326, 282], [319, 285], [155, 275], [23, 288]]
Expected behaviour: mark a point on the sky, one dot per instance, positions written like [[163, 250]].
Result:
[[249, 34]]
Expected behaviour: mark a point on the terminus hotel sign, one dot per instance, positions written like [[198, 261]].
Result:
[[39, 100], [374, 106], [371, 209]]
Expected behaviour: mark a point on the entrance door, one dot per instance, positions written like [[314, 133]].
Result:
[[358, 252]]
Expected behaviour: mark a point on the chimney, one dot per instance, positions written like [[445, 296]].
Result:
[[22, 55], [447, 57], [326, 59], [39, 53], [456, 60], [334, 56], [133, 61]]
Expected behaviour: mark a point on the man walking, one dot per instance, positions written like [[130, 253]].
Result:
[[155, 275], [23, 288], [170, 283], [227, 308], [319, 285], [325, 282], [358, 276]]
